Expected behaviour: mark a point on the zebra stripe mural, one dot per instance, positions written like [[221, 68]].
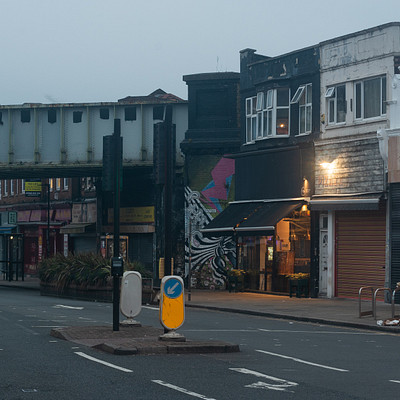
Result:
[[210, 257]]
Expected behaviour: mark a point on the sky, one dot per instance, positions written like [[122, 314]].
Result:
[[83, 51]]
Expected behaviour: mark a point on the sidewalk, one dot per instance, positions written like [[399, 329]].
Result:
[[339, 312]]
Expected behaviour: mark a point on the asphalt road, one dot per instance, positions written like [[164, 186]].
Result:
[[278, 359]]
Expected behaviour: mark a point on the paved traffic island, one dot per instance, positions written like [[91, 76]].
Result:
[[140, 340]]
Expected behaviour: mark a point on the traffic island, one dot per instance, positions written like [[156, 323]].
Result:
[[143, 340]]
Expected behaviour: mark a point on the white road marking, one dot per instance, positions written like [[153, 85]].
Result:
[[320, 332], [151, 308], [102, 362], [302, 361], [391, 380], [68, 307], [179, 389], [279, 384], [220, 330]]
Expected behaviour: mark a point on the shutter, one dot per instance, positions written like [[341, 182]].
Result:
[[395, 235], [360, 251], [84, 244]]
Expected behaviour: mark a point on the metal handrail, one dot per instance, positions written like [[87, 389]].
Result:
[[376, 292], [397, 289], [364, 313]]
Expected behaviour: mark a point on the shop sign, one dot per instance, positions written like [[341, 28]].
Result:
[[12, 217], [84, 212], [33, 187], [136, 215]]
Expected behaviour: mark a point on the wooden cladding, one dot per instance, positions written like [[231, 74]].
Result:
[[360, 251]]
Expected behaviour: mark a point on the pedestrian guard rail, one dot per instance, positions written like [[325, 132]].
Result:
[[373, 294]]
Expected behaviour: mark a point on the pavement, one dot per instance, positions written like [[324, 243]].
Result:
[[146, 339]]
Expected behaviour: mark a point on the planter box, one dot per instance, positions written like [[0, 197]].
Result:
[[235, 283], [300, 285], [89, 293]]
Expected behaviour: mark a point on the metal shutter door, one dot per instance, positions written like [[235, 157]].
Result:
[[395, 235], [360, 251]]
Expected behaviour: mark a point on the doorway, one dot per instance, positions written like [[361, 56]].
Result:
[[323, 259]]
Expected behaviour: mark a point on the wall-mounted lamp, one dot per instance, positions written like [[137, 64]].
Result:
[[329, 167]]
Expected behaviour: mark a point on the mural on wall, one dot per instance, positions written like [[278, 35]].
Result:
[[210, 257]]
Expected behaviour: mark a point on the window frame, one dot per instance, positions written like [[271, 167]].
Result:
[[130, 113], [359, 103], [262, 115], [77, 116], [331, 96], [306, 95], [51, 115], [104, 113]]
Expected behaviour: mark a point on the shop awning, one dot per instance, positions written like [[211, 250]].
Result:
[[249, 218], [78, 228], [345, 203], [263, 221], [225, 223]]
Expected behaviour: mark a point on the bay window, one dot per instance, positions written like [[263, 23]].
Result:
[[268, 114]]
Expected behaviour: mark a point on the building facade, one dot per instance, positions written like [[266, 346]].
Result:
[[66, 141], [213, 133], [269, 220], [350, 201]]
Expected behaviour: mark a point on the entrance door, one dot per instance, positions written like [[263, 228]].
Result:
[[323, 256]]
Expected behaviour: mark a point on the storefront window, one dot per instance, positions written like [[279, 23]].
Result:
[[270, 261]]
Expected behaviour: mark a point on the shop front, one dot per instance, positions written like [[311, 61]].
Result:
[[272, 242]]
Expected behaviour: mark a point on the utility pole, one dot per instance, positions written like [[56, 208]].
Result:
[[112, 182], [117, 194]]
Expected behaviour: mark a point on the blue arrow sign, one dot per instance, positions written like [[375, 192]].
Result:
[[173, 288]]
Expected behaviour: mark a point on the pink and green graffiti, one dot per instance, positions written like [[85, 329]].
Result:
[[218, 189]]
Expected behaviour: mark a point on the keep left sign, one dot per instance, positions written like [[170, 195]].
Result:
[[172, 302]]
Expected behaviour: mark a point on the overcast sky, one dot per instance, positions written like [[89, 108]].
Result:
[[102, 50]]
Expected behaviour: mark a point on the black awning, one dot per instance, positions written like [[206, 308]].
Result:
[[263, 221], [224, 224], [253, 218], [345, 203]]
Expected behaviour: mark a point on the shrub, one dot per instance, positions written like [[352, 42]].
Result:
[[83, 269]]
